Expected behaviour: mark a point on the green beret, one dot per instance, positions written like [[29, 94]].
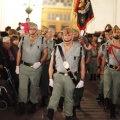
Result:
[[75, 30], [116, 28], [67, 30], [108, 27], [44, 27]]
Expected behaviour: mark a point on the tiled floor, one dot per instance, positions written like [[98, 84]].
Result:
[[90, 110]]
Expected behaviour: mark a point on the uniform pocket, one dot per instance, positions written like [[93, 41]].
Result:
[[76, 57]]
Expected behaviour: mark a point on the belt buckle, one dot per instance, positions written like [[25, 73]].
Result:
[[113, 67], [65, 74]]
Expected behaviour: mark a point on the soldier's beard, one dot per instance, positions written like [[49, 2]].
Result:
[[116, 37], [75, 38]]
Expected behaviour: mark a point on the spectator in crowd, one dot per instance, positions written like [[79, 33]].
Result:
[[26, 25], [14, 50], [7, 29], [11, 63], [4, 61], [19, 26], [12, 32]]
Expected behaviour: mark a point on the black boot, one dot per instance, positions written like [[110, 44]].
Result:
[[50, 114], [61, 101], [100, 99], [91, 77], [68, 118], [112, 111], [94, 77], [32, 108], [43, 101], [74, 111], [78, 107], [21, 108], [107, 104]]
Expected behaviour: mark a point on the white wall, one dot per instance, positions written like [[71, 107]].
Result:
[[105, 12], [13, 11]]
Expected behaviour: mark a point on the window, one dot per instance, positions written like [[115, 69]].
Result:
[[48, 17], [62, 17], [68, 17], [66, 3], [53, 17]]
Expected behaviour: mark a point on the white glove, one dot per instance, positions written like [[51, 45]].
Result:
[[80, 84], [36, 65], [17, 70], [51, 82]]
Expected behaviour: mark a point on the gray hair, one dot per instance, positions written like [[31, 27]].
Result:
[[6, 39], [31, 24]]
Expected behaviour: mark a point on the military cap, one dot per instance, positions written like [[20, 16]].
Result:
[[108, 27], [108, 30], [44, 27], [75, 30], [116, 28], [66, 30]]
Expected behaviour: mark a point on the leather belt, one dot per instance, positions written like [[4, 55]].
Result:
[[112, 66], [66, 74], [71, 76], [27, 64]]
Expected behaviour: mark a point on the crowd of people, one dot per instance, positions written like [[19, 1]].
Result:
[[57, 63]]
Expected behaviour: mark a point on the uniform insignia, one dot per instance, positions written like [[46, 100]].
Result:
[[83, 6], [65, 74], [82, 20], [74, 57], [66, 64], [37, 46]]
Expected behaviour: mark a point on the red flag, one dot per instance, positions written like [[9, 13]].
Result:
[[84, 11]]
